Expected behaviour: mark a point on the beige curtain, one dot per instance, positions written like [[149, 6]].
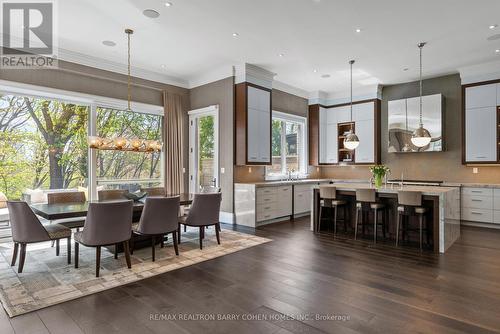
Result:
[[174, 114]]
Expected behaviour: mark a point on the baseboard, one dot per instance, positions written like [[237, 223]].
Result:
[[485, 225], [226, 217]]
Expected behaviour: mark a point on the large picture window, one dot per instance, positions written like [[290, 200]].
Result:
[[128, 170], [43, 144], [288, 146]]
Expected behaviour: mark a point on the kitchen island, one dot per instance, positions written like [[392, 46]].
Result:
[[443, 202]]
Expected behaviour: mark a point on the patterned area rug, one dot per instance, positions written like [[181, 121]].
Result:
[[48, 280]]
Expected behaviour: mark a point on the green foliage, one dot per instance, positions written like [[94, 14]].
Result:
[[276, 138], [206, 137]]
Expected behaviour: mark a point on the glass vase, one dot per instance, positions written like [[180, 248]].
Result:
[[378, 181]]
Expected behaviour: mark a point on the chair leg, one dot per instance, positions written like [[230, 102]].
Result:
[[318, 226], [77, 253], [153, 239], [22, 257], [356, 224], [345, 217], [420, 221], [203, 233], [397, 228], [335, 220], [127, 254], [53, 242], [57, 247], [375, 219], [97, 260], [174, 238], [217, 227], [116, 251], [185, 228], [201, 237], [384, 224], [68, 249], [132, 244], [179, 234], [162, 241], [14, 254]]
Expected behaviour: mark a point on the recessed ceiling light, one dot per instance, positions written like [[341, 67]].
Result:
[[151, 13], [358, 30], [493, 26], [168, 4], [497, 51], [163, 66], [235, 34], [405, 69], [315, 71], [493, 37], [325, 76], [281, 55], [109, 43]]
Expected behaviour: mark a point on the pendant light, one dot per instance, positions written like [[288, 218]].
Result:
[[421, 136], [351, 141]]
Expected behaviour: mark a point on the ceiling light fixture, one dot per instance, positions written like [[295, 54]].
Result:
[[163, 66], [109, 43], [235, 34], [151, 13], [351, 141], [315, 71], [497, 51], [358, 30], [168, 4], [325, 76], [493, 26], [405, 69], [281, 55], [421, 136]]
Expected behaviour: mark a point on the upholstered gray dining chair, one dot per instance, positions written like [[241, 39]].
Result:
[[67, 197], [107, 223], [159, 217], [27, 229], [155, 191], [204, 212], [111, 194]]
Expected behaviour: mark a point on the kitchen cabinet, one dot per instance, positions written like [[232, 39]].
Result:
[[480, 205], [253, 124], [325, 139], [481, 96]]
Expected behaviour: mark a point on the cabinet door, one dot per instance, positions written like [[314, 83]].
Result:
[[343, 114], [264, 139], [284, 202], [331, 116], [322, 135], [365, 130], [363, 111], [331, 143], [253, 97], [481, 96], [481, 134], [498, 94], [253, 135]]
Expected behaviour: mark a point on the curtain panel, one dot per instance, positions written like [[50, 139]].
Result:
[[173, 142]]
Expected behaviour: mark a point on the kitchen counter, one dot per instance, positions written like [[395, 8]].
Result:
[[444, 202]]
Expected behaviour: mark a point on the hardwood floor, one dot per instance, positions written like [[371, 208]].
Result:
[[377, 289]]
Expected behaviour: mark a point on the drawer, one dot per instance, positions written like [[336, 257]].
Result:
[[265, 191], [477, 191], [307, 187], [266, 198], [265, 212], [496, 202], [496, 217], [477, 202], [477, 215]]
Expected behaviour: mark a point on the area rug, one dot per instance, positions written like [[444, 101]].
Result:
[[48, 280]]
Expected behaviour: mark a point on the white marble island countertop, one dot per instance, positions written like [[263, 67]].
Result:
[[425, 190]]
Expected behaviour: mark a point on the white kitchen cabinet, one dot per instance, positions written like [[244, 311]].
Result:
[[498, 94], [365, 130], [342, 114], [253, 142], [259, 126], [481, 134], [331, 143], [264, 138], [481, 96], [363, 111], [322, 135]]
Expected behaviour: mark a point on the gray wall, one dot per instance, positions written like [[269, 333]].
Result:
[[445, 165], [222, 93]]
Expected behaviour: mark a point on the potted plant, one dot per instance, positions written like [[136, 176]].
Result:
[[378, 172]]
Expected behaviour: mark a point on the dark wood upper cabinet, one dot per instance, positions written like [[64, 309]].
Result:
[[253, 118], [328, 126]]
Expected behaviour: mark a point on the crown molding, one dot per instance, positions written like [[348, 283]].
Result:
[[112, 66], [480, 72], [334, 98], [254, 74], [211, 76], [290, 89]]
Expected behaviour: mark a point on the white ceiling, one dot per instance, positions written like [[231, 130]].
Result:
[[193, 38]]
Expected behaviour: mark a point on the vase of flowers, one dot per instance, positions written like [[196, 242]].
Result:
[[378, 172]]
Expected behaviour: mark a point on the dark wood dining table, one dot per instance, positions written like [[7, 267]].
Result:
[[75, 210]]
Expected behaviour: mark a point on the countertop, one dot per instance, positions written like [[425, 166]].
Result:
[[426, 190]]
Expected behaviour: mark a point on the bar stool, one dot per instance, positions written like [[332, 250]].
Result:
[[328, 199], [367, 199], [410, 205]]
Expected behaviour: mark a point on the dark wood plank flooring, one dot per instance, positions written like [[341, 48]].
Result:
[[376, 289]]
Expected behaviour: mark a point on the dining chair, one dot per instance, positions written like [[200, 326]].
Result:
[[155, 191], [66, 198], [204, 212], [27, 229], [159, 217], [111, 194], [107, 223]]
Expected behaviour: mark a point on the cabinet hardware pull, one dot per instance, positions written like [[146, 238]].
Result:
[[477, 200], [477, 191], [476, 213]]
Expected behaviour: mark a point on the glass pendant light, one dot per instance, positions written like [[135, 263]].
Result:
[[351, 141], [421, 136]]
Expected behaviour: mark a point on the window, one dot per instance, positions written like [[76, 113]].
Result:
[[288, 146], [43, 144], [128, 170]]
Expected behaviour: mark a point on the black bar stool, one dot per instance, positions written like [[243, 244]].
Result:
[[366, 200], [328, 199], [410, 205]]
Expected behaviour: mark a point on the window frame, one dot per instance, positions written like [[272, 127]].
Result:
[[93, 102], [303, 154]]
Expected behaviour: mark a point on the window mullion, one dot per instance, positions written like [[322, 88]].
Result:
[[283, 147]]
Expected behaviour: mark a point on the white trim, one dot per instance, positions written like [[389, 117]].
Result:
[[66, 95], [211, 76], [480, 72], [334, 98], [254, 74], [204, 110]]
